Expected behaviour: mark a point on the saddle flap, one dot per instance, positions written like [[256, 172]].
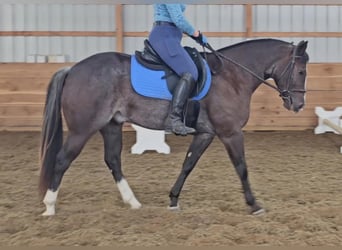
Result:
[[202, 71]]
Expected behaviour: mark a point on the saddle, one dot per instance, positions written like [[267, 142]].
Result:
[[150, 59]]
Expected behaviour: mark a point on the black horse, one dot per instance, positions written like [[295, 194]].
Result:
[[96, 95]]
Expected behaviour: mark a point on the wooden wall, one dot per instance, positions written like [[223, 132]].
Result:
[[23, 88]]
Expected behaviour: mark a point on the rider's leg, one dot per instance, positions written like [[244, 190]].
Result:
[[179, 99], [166, 41]]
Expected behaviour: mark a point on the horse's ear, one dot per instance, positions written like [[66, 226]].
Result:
[[301, 47]]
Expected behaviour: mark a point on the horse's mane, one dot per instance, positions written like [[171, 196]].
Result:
[[253, 41]]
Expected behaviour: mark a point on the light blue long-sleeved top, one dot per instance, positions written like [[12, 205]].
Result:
[[173, 13]]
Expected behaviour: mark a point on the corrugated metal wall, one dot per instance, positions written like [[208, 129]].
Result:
[[215, 18], [228, 18], [66, 17], [304, 19]]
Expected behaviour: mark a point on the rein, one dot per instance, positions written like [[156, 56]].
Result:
[[286, 93]]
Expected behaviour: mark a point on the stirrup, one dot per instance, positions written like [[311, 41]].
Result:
[[179, 129], [186, 131]]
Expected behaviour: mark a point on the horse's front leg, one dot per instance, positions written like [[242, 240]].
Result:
[[234, 145], [198, 145]]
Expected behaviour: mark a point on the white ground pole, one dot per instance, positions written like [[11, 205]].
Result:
[[329, 121], [148, 139]]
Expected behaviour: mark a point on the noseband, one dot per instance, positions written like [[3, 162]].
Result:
[[286, 93]]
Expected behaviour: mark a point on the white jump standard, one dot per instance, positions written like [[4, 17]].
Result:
[[148, 139], [329, 121]]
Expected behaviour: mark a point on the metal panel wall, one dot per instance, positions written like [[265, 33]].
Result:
[[283, 18], [226, 18], [214, 18], [64, 17]]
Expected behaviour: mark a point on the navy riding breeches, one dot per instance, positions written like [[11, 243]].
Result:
[[166, 41]]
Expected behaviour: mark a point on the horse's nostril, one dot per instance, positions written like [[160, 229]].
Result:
[[299, 107]]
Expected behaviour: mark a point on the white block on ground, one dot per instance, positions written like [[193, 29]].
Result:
[[334, 116], [56, 58], [31, 58], [148, 139], [329, 121], [41, 59]]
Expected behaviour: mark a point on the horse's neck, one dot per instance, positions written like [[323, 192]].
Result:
[[249, 67], [246, 67], [257, 58]]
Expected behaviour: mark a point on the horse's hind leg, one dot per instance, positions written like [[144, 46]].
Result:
[[234, 145], [112, 138], [70, 150]]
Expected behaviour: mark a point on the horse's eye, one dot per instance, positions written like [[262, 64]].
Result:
[[301, 72]]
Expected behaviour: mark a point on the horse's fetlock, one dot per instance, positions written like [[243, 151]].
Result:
[[50, 197]]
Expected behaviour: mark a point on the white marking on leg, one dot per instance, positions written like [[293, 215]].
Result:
[[127, 194], [50, 202]]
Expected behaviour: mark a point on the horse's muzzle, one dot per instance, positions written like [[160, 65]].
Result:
[[295, 107], [290, 100]]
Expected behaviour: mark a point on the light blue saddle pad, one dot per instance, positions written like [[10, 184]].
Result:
[[150, 83]]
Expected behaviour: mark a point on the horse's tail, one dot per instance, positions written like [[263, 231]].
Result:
[[52, 129]]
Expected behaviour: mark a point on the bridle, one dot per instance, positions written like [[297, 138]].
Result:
[[286, 93]]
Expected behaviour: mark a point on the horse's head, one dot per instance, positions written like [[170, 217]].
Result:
[[289, 74]]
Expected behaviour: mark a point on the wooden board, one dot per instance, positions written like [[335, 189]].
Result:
[[23, 89]]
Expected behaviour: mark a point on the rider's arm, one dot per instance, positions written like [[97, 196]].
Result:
[[178, 18]]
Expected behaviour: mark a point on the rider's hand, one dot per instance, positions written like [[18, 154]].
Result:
[[200, 38], [204, 39]]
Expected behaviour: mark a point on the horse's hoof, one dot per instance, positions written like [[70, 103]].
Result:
[[48, 213], [256, 209], [260, 211], [174, 208], [135, 205]]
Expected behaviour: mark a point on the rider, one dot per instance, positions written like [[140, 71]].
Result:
[[165, 38]]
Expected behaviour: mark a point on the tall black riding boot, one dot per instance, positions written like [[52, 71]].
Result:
[[179, 99]]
